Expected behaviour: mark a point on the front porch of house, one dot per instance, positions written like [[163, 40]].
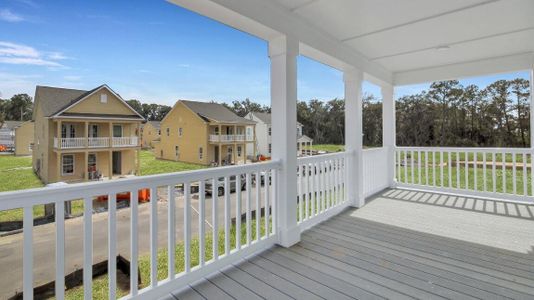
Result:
[[391, 222], [403, 244]]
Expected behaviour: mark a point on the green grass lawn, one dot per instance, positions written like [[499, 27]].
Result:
[[461, 179], [327, 147], [150, 165], [100, 284], [16, 174]]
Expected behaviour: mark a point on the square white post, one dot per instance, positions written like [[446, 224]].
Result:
[[353, 79], [283, 53], [389, 130], [532, 107]]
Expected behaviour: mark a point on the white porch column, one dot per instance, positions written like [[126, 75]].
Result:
[[532, 106], [389, 130], [283, 53], [354, 135]]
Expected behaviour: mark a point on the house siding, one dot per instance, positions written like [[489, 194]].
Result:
[[195, 135], [24, 135]]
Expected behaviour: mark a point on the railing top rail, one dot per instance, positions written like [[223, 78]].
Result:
[[25, 198], [374, 149], [468, 149], [322, 157]]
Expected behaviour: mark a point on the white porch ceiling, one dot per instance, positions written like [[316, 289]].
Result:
[[403, 35], [395, 41]]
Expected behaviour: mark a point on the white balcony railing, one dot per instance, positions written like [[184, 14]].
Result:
[[98, 142], [256, 179], [227, 138], [125, 141], [321, 189], [491, 172], [375, 170]]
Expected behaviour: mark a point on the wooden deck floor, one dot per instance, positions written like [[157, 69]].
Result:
[[401, 245]]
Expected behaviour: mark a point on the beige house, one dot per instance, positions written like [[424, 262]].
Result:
[[204, 133], [84, 135], [150, 132], [17, 137], [24, 134]]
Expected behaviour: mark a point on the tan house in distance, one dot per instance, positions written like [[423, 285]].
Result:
[[150, 132], [24, 135], [84, 135], [204, 133], [17, 137]]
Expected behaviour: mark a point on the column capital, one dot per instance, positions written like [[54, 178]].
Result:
[[282, 45], [353, 75]]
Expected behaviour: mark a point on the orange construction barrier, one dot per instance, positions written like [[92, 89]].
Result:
[[142, 196]]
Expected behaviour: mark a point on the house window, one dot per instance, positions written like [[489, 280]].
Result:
[[269, 131], [270, 148], [168, 131], [217, 130], [200, 153], [103, 98], [238, 150], [249, 133], [180, 131], [177, 151], [67, 164]]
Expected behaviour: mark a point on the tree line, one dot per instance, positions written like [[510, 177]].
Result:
[[447, 114], [17, 108]]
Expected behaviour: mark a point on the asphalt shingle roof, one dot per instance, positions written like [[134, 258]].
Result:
[[215, 112]]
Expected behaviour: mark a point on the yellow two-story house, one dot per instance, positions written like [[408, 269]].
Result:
[[204, 133], [84, 135]]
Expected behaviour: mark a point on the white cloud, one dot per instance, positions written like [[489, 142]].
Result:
[[72, 78], [11, 84], [9, 16], [17, 54], [57, 56]]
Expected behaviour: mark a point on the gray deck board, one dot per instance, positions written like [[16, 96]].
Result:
[[401, 245]]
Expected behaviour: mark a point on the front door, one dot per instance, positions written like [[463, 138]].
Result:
[[216, 152], [68, 131], [117, 164]]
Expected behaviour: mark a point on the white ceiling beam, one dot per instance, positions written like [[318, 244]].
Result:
[[267, 20], [483, 67]]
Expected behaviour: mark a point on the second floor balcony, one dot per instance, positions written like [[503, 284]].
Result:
[[229, 138], [95, 142]]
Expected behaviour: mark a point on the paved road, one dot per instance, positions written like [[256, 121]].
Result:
[[44, 240]]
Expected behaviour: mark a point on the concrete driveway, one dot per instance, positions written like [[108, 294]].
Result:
[[44, 239]]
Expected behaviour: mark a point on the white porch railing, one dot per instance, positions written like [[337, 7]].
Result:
[[69, 143], [230, 138], [375, 166], [98, 142], [491, 172], [125, 141], [320, 188], [253, 177], [75, 143]]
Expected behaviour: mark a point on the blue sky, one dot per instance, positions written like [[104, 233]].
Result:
[[150, 50]]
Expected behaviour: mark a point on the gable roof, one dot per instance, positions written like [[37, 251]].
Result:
[[53, 100], [215, 112], [11, 124], [265, 117]]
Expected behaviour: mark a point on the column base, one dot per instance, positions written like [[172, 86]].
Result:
[[289, 237], [357, 203]]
